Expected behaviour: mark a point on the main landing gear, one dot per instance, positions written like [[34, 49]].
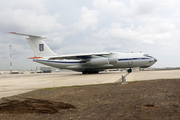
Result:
[[89, 72]]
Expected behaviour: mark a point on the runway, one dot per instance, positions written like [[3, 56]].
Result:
[[21, 83]]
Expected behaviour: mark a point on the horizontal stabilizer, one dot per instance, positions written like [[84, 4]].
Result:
[[29, 35], [34, 57]]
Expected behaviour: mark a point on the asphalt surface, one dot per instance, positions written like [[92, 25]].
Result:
[[21, 83]]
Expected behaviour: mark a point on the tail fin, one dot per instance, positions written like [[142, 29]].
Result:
[[38, 46]]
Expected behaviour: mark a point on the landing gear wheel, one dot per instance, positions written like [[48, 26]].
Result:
[[96, 71], [129, 70], [89, 72], [84, 72]]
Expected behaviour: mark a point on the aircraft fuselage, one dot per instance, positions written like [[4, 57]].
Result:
[[99, 63]]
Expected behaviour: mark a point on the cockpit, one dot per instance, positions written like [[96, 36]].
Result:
[[147, 55], [151, 60]]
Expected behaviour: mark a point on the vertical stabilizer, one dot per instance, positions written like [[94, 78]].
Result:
[[38, 46]]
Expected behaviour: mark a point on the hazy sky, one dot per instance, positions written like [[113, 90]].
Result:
[[82, 26]]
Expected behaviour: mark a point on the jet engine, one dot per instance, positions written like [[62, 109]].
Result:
[[102, 61], [113, 60], [98, 61]]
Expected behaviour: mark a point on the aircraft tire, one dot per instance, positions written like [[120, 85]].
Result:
[[90, 72], [129, 70], [84, 72], [96, 71]]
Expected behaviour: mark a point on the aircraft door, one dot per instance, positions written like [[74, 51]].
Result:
[[130, 62]]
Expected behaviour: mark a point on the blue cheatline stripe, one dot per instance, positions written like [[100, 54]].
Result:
[[60, 61], [132, 59]]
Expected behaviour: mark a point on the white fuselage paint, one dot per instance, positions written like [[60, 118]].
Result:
[[124, 60]]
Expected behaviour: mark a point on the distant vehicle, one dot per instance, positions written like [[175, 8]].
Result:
[[86, 63]]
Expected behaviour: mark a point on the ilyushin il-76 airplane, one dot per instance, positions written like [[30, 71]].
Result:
[[85, 63]]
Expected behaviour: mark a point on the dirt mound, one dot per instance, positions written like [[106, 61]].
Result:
[[29, 105], [146, 100]]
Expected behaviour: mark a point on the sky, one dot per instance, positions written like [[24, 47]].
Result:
[[85, 26]]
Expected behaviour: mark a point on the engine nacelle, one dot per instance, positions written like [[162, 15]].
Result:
[[102, 61], [98, 61], [113, 60]]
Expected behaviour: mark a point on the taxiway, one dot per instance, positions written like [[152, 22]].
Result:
[[21, 83]]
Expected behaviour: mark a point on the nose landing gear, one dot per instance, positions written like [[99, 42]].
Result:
[[129, 70], [123, 78]]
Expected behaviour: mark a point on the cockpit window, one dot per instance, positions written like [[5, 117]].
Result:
[[146, 55]]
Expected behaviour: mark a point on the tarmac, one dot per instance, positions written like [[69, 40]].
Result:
[[14, 84]]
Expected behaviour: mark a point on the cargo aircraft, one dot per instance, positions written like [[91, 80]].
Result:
[[86, 63]]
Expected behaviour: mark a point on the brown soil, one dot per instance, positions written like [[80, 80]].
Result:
[[147, 100]]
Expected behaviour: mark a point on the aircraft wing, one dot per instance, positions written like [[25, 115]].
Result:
[[80, 56]]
